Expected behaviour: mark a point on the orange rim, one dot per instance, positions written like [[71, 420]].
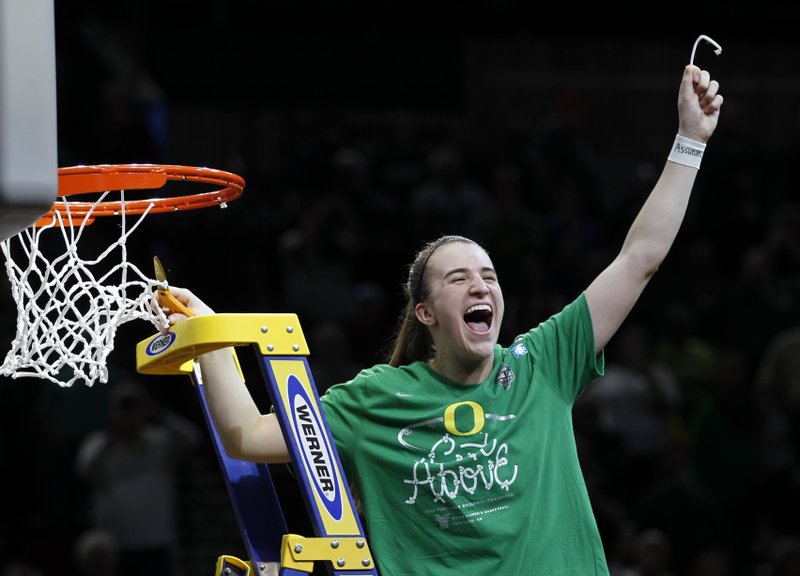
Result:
[[107, 177]]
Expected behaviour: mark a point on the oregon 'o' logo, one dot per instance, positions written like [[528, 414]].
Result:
[[478, 418]]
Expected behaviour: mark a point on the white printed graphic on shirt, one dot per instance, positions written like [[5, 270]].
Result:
[[470, 463]]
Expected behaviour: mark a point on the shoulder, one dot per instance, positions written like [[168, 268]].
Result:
[[379, 375], [377, 380], [573, 316]]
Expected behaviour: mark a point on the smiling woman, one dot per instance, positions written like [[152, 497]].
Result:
[[414, 341], [461, 309]]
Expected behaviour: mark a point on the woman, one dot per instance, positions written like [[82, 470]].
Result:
[[462, 451]]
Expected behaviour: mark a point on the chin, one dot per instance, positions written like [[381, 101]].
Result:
[[483, 349]]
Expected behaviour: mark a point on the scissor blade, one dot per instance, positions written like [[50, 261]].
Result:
[[161, 276]]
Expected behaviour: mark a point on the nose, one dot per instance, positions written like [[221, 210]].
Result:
[[479, 287]]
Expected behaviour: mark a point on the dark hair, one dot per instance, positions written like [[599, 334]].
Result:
[[412, 340]]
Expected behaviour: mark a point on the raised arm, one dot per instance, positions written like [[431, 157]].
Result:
[[245, 432], [612, 295]]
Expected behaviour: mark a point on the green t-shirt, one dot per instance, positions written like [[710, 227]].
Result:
[[480, 479]]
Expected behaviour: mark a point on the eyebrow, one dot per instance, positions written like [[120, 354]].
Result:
[[464, 270]]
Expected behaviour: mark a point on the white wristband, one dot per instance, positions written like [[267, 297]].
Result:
[[686, 151]]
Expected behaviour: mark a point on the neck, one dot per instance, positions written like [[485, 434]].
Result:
[[467, 374]]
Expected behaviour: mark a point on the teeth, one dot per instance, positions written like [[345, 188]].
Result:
[[477, 307]]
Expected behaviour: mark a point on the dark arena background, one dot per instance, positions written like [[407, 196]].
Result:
[[362, 132]]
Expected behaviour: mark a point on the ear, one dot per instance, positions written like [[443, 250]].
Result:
[[424, 314]]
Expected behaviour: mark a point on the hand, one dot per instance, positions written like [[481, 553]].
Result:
[[188, 299], [699, 103]]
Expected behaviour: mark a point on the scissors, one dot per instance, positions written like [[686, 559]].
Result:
[[165, 297]]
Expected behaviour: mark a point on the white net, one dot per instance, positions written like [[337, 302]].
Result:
[[70, 308]]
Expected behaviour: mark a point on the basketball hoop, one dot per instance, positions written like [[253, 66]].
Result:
[[69, 305]]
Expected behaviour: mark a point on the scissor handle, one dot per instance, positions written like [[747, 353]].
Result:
[[172, 304]]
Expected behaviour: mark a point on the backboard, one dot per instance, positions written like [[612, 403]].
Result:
[[28, 123]]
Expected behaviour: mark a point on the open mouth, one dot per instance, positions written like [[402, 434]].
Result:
[[479, 318]]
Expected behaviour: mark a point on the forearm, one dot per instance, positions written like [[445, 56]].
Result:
[[656, 226], [244, 431], [614, 292]]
